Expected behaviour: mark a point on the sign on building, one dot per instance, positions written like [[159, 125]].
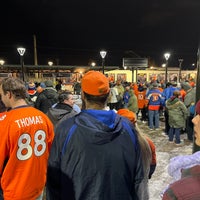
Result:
[[135, 63]]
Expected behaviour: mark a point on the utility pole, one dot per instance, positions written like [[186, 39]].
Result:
[[166, 55], [180, 68], [35, 50]]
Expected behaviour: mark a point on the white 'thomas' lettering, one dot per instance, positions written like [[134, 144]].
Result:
[[28, 121]]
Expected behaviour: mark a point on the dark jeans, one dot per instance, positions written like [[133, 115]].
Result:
[[189, 128], [167, 127], [174, 132], [144, 112], [153, 119]]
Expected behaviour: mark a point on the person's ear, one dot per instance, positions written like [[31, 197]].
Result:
[[9, 94], [65, 101], [82, 95]]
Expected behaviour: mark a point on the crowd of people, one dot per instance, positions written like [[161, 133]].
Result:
[[94, 150], [151, 100]]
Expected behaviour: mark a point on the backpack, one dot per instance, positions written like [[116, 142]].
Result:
[[192, 109]]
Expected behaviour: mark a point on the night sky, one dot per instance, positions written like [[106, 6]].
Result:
[[73, 32]]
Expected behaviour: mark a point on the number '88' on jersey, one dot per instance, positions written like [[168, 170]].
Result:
[[25, 150]]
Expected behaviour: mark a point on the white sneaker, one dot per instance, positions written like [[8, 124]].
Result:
[[164, 134], [180, 144]]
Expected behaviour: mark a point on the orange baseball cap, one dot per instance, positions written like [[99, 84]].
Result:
[[128, 114], [95, 83]]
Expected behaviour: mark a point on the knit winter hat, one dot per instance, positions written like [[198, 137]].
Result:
[[192, 84], [42, 85], [128, 114], [186, 86], [31, 86], [49, 83], [95, 83]]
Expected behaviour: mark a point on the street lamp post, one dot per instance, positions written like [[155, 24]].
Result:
[[103, 55], [21, 52], [180, 68], [166, 55]]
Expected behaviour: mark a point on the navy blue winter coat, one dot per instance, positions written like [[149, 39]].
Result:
[[95, 156]]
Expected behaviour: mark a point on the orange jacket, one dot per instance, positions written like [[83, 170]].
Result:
[[25, 143], [153, 149], [182, 93]]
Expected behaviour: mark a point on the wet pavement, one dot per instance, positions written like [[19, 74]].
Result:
[[164, 151]]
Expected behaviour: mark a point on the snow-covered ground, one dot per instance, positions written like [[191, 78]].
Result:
[[165, 151]]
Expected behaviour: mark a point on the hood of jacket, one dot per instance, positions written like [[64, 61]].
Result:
[[101, 126], [50, 93], [172, 102], [57, 114], [131, 93]]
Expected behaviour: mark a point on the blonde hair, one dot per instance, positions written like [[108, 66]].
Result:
[[145, 149]]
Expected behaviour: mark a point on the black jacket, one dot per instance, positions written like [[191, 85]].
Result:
[[60, 112], [46, 99], [94, 157]]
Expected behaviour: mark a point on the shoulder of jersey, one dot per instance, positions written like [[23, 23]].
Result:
[[2, 117]]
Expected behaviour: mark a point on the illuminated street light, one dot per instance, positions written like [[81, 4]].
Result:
[[50, 63], [21, 52], [163, 65], [166, 55], [2, 62], [93, 64], [103, 55], [180, 68]]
